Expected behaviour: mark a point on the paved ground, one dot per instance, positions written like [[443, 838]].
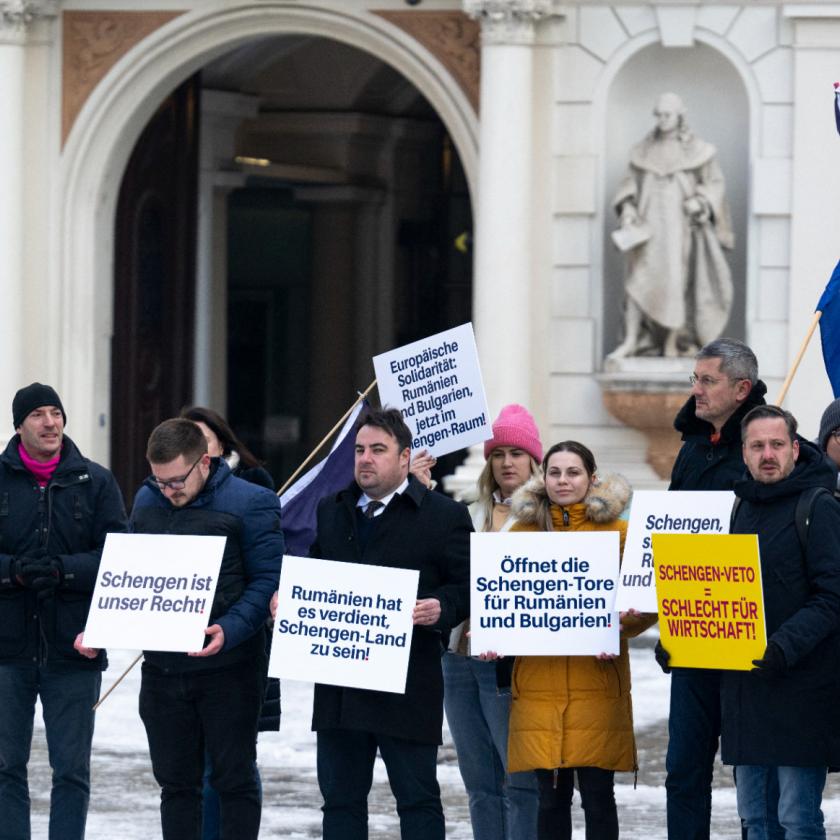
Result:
[[125, 796]]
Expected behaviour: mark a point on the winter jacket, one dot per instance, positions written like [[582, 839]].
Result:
[[702, 465], [573, 711], [793, 718], [249, 517], [68, 519], [419, 529]]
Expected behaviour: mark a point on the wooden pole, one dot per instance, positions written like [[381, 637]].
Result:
[[119, 679], [792, 372], [327, 437]]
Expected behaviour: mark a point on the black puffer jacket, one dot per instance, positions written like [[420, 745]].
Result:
[[702, 465], [69, 519], [792, 719]]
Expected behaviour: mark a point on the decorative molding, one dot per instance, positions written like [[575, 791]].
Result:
[[452, 37], [508, 21], [20, 13], [93, 43]]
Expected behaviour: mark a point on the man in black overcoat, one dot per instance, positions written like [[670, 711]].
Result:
[[388, 518], [780, 722]]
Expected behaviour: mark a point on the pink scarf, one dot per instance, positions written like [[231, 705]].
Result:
[[42, 470]]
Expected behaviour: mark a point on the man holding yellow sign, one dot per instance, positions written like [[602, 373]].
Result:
[[781, 721]]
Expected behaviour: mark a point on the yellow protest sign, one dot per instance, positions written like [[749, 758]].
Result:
[[711, 606]]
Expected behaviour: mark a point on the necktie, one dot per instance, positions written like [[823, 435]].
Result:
[[372, 507]]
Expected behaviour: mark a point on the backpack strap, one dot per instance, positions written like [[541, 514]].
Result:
[[735, 505], [805, 511]]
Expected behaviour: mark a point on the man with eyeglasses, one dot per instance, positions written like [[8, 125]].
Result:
[[209, 699], [828, 438], [724, 388], [56, 508]]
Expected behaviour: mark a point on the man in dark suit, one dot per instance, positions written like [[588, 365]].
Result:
[[388, 518]]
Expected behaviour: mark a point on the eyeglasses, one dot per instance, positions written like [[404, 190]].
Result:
[[836, 435], [704, 381], [176, 483]]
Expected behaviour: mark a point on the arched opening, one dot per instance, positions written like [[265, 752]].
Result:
[[311, 200]]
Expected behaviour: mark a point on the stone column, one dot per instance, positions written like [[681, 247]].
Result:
[[20, 22], [815, 185], [503, 254]]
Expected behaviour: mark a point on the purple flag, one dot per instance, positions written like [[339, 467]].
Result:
[[300, 502]]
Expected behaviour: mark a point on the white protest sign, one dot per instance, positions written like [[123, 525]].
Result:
[[545, 594], [436, 383], [154, 592], [664, 512], [343, 624]]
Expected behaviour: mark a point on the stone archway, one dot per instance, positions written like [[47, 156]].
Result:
[[112, 118]]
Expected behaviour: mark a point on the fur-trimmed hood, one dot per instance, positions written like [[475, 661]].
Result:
[[604, 502]]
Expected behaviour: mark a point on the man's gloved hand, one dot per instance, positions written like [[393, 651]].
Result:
[[662, 657], [26, 569], [773, 663], [51, 574]]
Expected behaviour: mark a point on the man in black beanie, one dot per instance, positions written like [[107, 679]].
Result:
[[55, 509]]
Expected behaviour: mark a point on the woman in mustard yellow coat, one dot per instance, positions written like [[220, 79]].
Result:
[[573, 714]]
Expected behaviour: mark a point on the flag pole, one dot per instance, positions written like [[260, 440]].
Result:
[[327, 437], [294, 475], [119, 679], [792, 372]]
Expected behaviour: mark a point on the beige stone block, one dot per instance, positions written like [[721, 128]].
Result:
[[571, 246], [777, 131], [570, 292], [571, 345], [574, 184], [600, 31], [577, 73], [717, 19], [768, 340], [772, 186], [755, 32], [572, 129], [576, 400], [636, 19], [774, 242], [774, 74], [676, 25], [772, 294]]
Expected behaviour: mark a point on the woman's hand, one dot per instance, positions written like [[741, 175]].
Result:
[[421, 467]]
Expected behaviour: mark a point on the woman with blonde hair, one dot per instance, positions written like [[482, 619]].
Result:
[[476, 692], [572, 715]]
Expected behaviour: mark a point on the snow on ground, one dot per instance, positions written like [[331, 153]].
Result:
[[125, 796]]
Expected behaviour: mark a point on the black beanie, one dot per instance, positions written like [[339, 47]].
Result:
[[31, 397], [829, 422]]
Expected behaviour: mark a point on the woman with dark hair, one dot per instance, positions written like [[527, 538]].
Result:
[[572, 715], [222, 442]]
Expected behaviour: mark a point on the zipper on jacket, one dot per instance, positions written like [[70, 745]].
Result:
[[566, 525]]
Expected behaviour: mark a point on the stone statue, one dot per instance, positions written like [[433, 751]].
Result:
[[675, 224]]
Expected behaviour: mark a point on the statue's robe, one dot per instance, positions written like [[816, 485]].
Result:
[[679, 278]]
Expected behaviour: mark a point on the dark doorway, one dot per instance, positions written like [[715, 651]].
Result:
[[154, 283]]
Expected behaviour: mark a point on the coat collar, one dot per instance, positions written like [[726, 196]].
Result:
[[689, 424]]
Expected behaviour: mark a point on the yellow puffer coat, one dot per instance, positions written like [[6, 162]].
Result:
[[574, 711]]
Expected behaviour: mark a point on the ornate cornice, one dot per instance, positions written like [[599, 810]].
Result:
[[451, 37], [507, 21], [18, 16]]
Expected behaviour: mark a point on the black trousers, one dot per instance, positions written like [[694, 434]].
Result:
[[217, 710], [597, 798], [345, 775]]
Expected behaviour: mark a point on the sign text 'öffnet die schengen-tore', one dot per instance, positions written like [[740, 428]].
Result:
[[436, 383], [344, 624], [544, 594]]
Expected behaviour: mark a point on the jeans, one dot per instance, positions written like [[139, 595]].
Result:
[[502, 806], [216, 710], [67, 697], [781, 803], [693, 734], [345, 774], [597, 798], [211, 808]]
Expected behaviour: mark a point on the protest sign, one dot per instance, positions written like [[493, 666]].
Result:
[[664, 512], [436, 383], [354, 631], [544, 594], [154, 592], [711, 605]]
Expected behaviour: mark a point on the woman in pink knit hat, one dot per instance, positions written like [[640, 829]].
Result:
[[502, 806]]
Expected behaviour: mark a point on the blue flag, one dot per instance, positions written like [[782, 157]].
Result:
[[837, 106], [300, 502], [829, 305]]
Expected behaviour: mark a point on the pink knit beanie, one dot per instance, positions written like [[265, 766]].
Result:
[[515, 427]]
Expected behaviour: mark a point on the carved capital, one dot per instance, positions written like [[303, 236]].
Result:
[[16, 16], [507, 21]]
